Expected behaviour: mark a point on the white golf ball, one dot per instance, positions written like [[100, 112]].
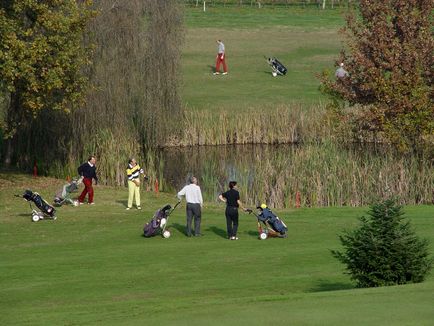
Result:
[[274, 74]]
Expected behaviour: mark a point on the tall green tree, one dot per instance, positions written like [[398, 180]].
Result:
[[388, 57], [42, 59], [384, 250]]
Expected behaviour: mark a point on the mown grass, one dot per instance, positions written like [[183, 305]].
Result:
[[92, 267], [305, 41]]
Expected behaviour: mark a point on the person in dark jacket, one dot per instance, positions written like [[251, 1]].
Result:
[[232, 200], [88, 172]]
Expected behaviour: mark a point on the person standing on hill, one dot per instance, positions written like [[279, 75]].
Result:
[[133, 174], [88, 172], [193, 197], [232, 200], [221, 59], [341, 72]]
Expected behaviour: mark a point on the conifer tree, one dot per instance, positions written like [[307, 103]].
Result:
[[384, 250]]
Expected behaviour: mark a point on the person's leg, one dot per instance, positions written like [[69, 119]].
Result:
[[131, 187], [197, 219], [225, 68], [189, 212], [85, 190], [137, 195], [217, 64], [90, 192], [228, 222], [235, 223]]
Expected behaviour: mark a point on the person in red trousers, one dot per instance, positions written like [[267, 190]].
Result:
[[88, 172], [221, 59]]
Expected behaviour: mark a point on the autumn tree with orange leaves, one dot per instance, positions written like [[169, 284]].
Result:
[[389, 59]]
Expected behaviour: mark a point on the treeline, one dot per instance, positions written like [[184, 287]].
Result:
[[124, 98], [323, 4]]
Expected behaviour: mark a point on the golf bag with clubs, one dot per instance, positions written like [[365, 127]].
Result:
[[45, 209], [158, 223], [277, 67], [269, 225], [63, 196]]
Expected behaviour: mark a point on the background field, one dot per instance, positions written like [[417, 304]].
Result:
[[92, 266], [306, 41]]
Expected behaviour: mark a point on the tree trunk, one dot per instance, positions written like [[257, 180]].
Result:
[[8, 153], [11, 124]]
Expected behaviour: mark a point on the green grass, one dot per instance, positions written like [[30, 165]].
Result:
[[305, 41], [92, 267]]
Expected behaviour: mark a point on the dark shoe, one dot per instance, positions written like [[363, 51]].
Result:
[[188, 235]]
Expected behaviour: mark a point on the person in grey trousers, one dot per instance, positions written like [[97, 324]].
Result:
[[193, 197]]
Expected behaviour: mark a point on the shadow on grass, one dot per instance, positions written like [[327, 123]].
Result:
[[220, 232], [326, 286], [123, 202], [254, 234], [177, 226]]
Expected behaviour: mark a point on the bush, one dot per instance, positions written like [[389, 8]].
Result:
[[384, 250]]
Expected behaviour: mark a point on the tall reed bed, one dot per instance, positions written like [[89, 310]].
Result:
[[258, 125], [323, 174]]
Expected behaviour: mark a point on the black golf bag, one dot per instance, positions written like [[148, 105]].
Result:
[[277, 67], [267, 217], [45, 208], [158, 223]]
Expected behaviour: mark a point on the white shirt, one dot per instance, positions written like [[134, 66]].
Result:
[[192, 194], [221, 47]]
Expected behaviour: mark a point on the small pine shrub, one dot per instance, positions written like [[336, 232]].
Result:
[[384, 250]]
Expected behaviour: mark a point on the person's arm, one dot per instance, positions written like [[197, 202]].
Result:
[[141, 170], [200, 198], [181, 193], [95, 176], [222, 198], [240, 205]]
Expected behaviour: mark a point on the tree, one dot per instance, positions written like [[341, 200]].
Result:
[[390, 65], [384, 250], [41, 58]]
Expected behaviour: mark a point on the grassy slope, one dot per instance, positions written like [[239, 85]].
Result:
[[92, 266], [306, 41]]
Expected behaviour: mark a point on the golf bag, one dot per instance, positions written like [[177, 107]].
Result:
[[63, 196], [267, 216], [46, 210], [158, 223], [277, 67], [269, 225]]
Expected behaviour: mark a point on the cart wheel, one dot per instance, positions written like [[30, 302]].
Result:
[[263, 236], [35, 217], [166, 234]]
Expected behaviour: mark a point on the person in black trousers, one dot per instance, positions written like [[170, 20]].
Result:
[[232, 200]]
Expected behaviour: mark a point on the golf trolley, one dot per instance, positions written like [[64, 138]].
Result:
[[269, 225], [63, 196], [46, 210], [276, 66], [158, 223]]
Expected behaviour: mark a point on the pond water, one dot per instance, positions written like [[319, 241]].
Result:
[[319, 175]]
